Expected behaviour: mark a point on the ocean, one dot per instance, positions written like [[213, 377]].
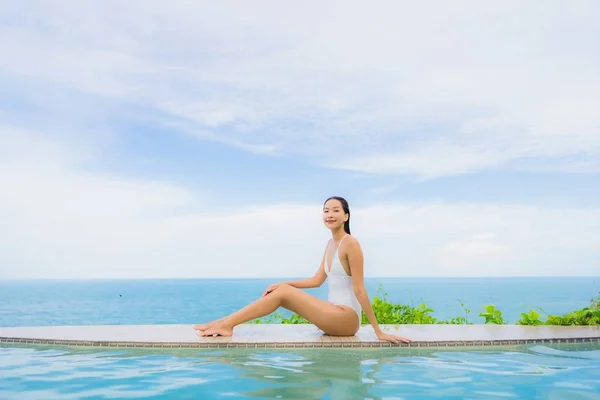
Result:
[[189, 301]]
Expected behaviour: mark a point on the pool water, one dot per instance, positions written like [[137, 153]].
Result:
[[526, 372]]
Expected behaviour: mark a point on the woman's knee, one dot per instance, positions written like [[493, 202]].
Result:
[[283, 289]]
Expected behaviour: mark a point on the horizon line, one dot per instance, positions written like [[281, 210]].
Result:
[[290, 277]]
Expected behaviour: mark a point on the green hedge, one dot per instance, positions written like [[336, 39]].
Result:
[[390, 313]]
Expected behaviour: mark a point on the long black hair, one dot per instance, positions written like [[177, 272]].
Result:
[[346, 208]]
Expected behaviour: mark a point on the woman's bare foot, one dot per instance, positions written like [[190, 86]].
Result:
[[219, 329], [203, 327]]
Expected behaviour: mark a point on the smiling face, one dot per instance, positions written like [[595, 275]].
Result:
[[334, 216]]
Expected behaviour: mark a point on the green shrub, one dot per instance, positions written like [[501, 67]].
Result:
[[279, 318], [530, 318], [390, 313], [586, 316], [492, 315], [459, 320]]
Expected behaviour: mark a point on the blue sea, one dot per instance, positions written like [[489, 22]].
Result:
[[183, 301]]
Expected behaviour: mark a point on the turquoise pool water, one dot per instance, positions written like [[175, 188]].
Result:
[[524, 372]]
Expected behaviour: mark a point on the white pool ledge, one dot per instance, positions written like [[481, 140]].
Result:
[[278, 335]]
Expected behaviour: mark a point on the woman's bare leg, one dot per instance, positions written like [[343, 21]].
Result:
[[331, 319]]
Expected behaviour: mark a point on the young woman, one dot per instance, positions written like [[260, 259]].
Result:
[[342, 263]]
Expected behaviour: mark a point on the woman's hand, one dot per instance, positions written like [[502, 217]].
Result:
[[392, 338], [270, 289]]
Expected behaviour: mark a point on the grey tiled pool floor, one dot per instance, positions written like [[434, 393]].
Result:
[[274, 335]]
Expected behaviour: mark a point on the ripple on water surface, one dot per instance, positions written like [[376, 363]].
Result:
[[536, 371]]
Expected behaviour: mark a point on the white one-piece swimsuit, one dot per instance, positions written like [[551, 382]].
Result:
[[340, 284]]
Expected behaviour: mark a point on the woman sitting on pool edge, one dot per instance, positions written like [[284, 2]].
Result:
[[342, 263]]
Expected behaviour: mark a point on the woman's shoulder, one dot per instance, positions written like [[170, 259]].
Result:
[[350, 246], [350, 240], [347, 240]]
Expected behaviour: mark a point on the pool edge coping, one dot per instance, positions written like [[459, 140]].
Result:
[[292, 344]]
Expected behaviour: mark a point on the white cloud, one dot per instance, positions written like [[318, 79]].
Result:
[[480, 249], [394, 88], [434, 159], [61, 222], [391, 89], [382, 189]]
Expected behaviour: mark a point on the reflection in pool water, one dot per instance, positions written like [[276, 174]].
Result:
[[534, 371]]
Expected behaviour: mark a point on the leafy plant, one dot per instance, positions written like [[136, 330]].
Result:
[[459, 320], [390, 313], [492, 315], [467, 311], [295, 319], [279, 318], [586, 316], [530, 318], [274, 318]]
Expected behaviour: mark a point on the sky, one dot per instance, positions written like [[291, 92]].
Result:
[[142, 139]]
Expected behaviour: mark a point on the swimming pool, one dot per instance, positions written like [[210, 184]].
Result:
[[556, 371]]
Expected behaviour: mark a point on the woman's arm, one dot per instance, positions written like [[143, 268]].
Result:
[[304, 283], [355, 259], [316, 281]]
